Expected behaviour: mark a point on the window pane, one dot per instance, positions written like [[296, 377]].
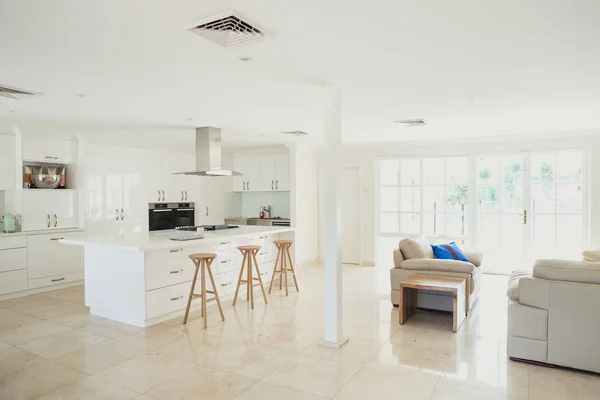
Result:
[[487, 170], [410, 172], [410, 223], [388, 199], [434, 224], [388, 172], [488, 198], [388, 223], [433, 198], [434, 171], [457, 170], [457, 225], [543, 167], [410, 199], [512, 170], [569, 197], [543, 198], [457, 198], [570, 166], [511, 199]]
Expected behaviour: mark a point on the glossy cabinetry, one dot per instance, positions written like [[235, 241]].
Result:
[[47, 209], [262, 173], [7, 162], [47, 150], [13, 264]]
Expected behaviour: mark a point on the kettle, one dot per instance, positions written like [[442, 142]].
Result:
[[9, 224]]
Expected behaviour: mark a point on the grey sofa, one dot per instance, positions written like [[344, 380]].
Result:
[[554, 314], [415, 256]]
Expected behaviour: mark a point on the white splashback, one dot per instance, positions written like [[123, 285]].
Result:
[[252, 201]]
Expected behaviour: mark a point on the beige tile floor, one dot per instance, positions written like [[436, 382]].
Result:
[[52, 349]]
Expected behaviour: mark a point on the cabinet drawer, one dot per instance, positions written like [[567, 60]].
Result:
[[168, 271], [55, 280], [13, 281], [168, 299], [226, 282], [13, 259], [266, 271], [46, 257], [14, 242], [227, 261]]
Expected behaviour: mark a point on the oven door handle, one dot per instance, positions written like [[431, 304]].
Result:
[[185, 209], [162, 210]]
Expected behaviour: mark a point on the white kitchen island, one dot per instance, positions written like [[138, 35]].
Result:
[[144, 279]]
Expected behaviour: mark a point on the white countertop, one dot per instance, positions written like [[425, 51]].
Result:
[[160, 240], [43, 232]]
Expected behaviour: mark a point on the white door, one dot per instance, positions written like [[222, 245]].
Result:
[[37, 209], [350, 216], [282, 172], [64, 208]]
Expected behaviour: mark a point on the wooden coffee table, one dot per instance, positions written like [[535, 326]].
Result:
[[409, 292]]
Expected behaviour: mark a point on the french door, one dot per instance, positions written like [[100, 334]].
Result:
[[530, 205]]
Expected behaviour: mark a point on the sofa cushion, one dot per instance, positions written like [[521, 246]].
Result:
[[432, 264], [591, 255], [513, 284], [568, 271], [449, 251], [416, 247]]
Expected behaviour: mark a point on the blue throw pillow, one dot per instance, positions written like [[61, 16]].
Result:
[[449, 251]]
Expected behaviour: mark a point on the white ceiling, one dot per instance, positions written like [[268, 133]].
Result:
[[531, 66]]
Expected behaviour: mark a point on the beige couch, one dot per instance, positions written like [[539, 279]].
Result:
[[415, 256], [554, 314]]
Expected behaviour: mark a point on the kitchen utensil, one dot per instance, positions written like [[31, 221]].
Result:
[[9, 223], [45, 177]]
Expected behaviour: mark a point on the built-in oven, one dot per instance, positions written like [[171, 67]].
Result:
[[162, 216]]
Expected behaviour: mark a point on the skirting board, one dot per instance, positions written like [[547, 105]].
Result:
[[30, 292], [334, 345]]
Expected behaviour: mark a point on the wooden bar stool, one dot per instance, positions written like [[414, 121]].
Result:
[[283, 255], [249, 253], [203, 261]]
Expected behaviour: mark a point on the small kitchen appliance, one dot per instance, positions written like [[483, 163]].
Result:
[[9, 223]]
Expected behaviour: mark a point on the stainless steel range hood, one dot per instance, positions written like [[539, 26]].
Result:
[[208, 154]]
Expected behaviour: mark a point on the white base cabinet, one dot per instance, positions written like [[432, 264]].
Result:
[[47, 258], [13, 264]]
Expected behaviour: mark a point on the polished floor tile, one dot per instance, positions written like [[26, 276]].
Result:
[[272, 352]]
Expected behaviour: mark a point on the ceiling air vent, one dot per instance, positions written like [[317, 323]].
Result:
[[295, 133], [411, 122], [14, 93], [227, 30]]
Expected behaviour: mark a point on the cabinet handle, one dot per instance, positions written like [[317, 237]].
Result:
[[248, 185], [49, 157], [264, 273], [158, 191], [206, 211], [244, 185], [55, 220], [224, 262], [176, 272], [117, 211], [185, 191], [48, 215], [181, 191], [227, 242], [271, 185], [57, 280], [57, 238], [276, 185], [176, 298], [122, 214], [225, 284], [163, 192], [175, 250]]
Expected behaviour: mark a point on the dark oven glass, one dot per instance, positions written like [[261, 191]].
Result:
[[184, 217], [161, 218]]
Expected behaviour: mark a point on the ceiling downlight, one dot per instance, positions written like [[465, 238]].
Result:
[[228, 30]]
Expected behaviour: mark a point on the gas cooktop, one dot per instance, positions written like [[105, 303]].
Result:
[[205, 228]]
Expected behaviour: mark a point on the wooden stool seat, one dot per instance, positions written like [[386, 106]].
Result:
[[283, 256], [249, 252], [203, 262]]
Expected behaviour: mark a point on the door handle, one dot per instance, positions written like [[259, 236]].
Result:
[[117, 211], [525, 217], [122, 214], [48, 215], [276, 185], [55, 220], [206, 210]]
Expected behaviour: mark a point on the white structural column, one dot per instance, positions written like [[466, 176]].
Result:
[[332, 177]]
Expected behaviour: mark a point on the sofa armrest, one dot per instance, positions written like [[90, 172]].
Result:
[[398, 258], [434, 264], [474, 257], [567, 271], [534, 292]]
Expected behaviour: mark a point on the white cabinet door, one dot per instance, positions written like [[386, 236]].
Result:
[[49, 150], [37, 209], [178, 185], [7, 162], [282, 172], [241, 165], [133, 212], [65, 212], [47, 257], [156, 182], [267, 173], [209, 200]]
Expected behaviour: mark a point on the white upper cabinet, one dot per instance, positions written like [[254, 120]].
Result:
[[49, 209], [49, 150], [262, 174], [163, 185], [7, 162], [210, 201]]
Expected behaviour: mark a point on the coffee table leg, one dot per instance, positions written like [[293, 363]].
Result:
[[408, 303], [458, 308]]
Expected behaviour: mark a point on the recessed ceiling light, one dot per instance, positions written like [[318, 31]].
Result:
[[245, 59], [13, 111], [190, 119], [472, 98]]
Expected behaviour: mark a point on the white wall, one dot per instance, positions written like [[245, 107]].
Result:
[[366, 155], [304, 184], [248, 204]]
